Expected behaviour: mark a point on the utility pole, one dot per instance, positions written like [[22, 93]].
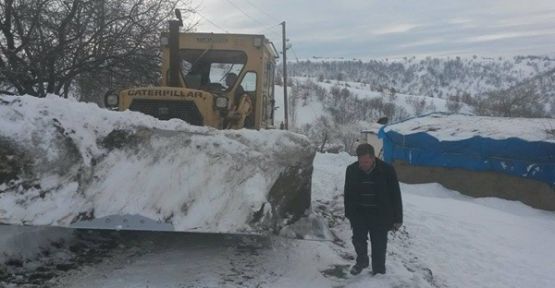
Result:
[[286, 122]]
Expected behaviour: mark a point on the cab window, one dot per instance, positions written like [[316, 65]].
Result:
[[207, 69], [249, 82]]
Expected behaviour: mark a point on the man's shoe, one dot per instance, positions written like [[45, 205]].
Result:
[[357, 268]]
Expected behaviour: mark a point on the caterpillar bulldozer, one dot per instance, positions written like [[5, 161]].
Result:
[[224, 81], [147, 177], [217, 80]]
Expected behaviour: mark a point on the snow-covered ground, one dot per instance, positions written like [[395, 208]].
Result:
[[448, 240]]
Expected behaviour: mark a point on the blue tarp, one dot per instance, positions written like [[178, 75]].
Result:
[[514, 156]]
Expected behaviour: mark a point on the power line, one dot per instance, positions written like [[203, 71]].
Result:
[[261, 10], [245, 13], [211, 22], [266, 29], [294, 53], [271, 27], [269, 31]]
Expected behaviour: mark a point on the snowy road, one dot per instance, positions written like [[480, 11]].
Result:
[[201, 260], [177, 260], [449, 240]]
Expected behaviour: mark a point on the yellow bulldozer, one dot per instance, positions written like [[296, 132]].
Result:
[[217, 80], [97, 169], [224, 81]]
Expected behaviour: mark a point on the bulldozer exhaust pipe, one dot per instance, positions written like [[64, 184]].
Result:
[[175, 59]]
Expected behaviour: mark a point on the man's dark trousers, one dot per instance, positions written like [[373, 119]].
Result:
[[363, 225]]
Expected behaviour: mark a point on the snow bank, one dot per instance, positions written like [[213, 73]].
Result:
[[67, 161]]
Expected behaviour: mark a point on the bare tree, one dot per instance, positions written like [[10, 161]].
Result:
[[47, 45], [454, 104], [418, 104], [523, 101], [293, 103]]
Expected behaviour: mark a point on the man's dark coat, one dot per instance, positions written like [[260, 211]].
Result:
[[388, 194]]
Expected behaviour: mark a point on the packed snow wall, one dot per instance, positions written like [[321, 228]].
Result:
[[66, 163]]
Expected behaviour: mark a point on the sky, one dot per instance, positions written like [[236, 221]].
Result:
[[389, 29]]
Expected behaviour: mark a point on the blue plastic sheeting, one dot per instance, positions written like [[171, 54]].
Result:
[[514, 156]]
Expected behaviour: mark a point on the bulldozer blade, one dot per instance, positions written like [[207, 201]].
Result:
[[73, 164]]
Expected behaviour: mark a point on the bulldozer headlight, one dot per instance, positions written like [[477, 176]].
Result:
[[221, 102], [111, 101]]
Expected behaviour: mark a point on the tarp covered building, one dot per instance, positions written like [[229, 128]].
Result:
[[511, 158]]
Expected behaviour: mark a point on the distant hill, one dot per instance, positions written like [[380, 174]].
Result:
[[458, 79]]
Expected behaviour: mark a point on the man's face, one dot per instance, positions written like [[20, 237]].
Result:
[[229, 80], [365, 162]]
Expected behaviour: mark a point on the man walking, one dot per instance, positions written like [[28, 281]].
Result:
[[373, 206]]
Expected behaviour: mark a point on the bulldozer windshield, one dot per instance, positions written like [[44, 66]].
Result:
[[206, 69]]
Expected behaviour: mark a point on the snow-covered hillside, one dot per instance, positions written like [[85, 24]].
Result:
[[448, 240], [435, 77], [412, 104]]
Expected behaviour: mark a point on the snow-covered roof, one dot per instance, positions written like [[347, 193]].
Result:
[[449, 127], [373, 128]]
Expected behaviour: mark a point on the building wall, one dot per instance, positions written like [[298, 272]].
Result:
[[372, 139], [481, 184]]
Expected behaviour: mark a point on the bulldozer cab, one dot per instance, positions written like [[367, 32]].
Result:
[[208, 79]]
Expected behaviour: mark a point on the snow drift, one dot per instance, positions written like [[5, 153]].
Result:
[[65, 163]]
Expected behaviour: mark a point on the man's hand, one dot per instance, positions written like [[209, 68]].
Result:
[[396, 226]]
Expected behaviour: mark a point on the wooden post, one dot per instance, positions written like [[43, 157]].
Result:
[[286, 121]]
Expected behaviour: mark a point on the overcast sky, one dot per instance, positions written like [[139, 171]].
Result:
[[390, 28]]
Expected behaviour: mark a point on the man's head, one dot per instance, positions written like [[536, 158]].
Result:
[[230, 79], [366, 158]]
